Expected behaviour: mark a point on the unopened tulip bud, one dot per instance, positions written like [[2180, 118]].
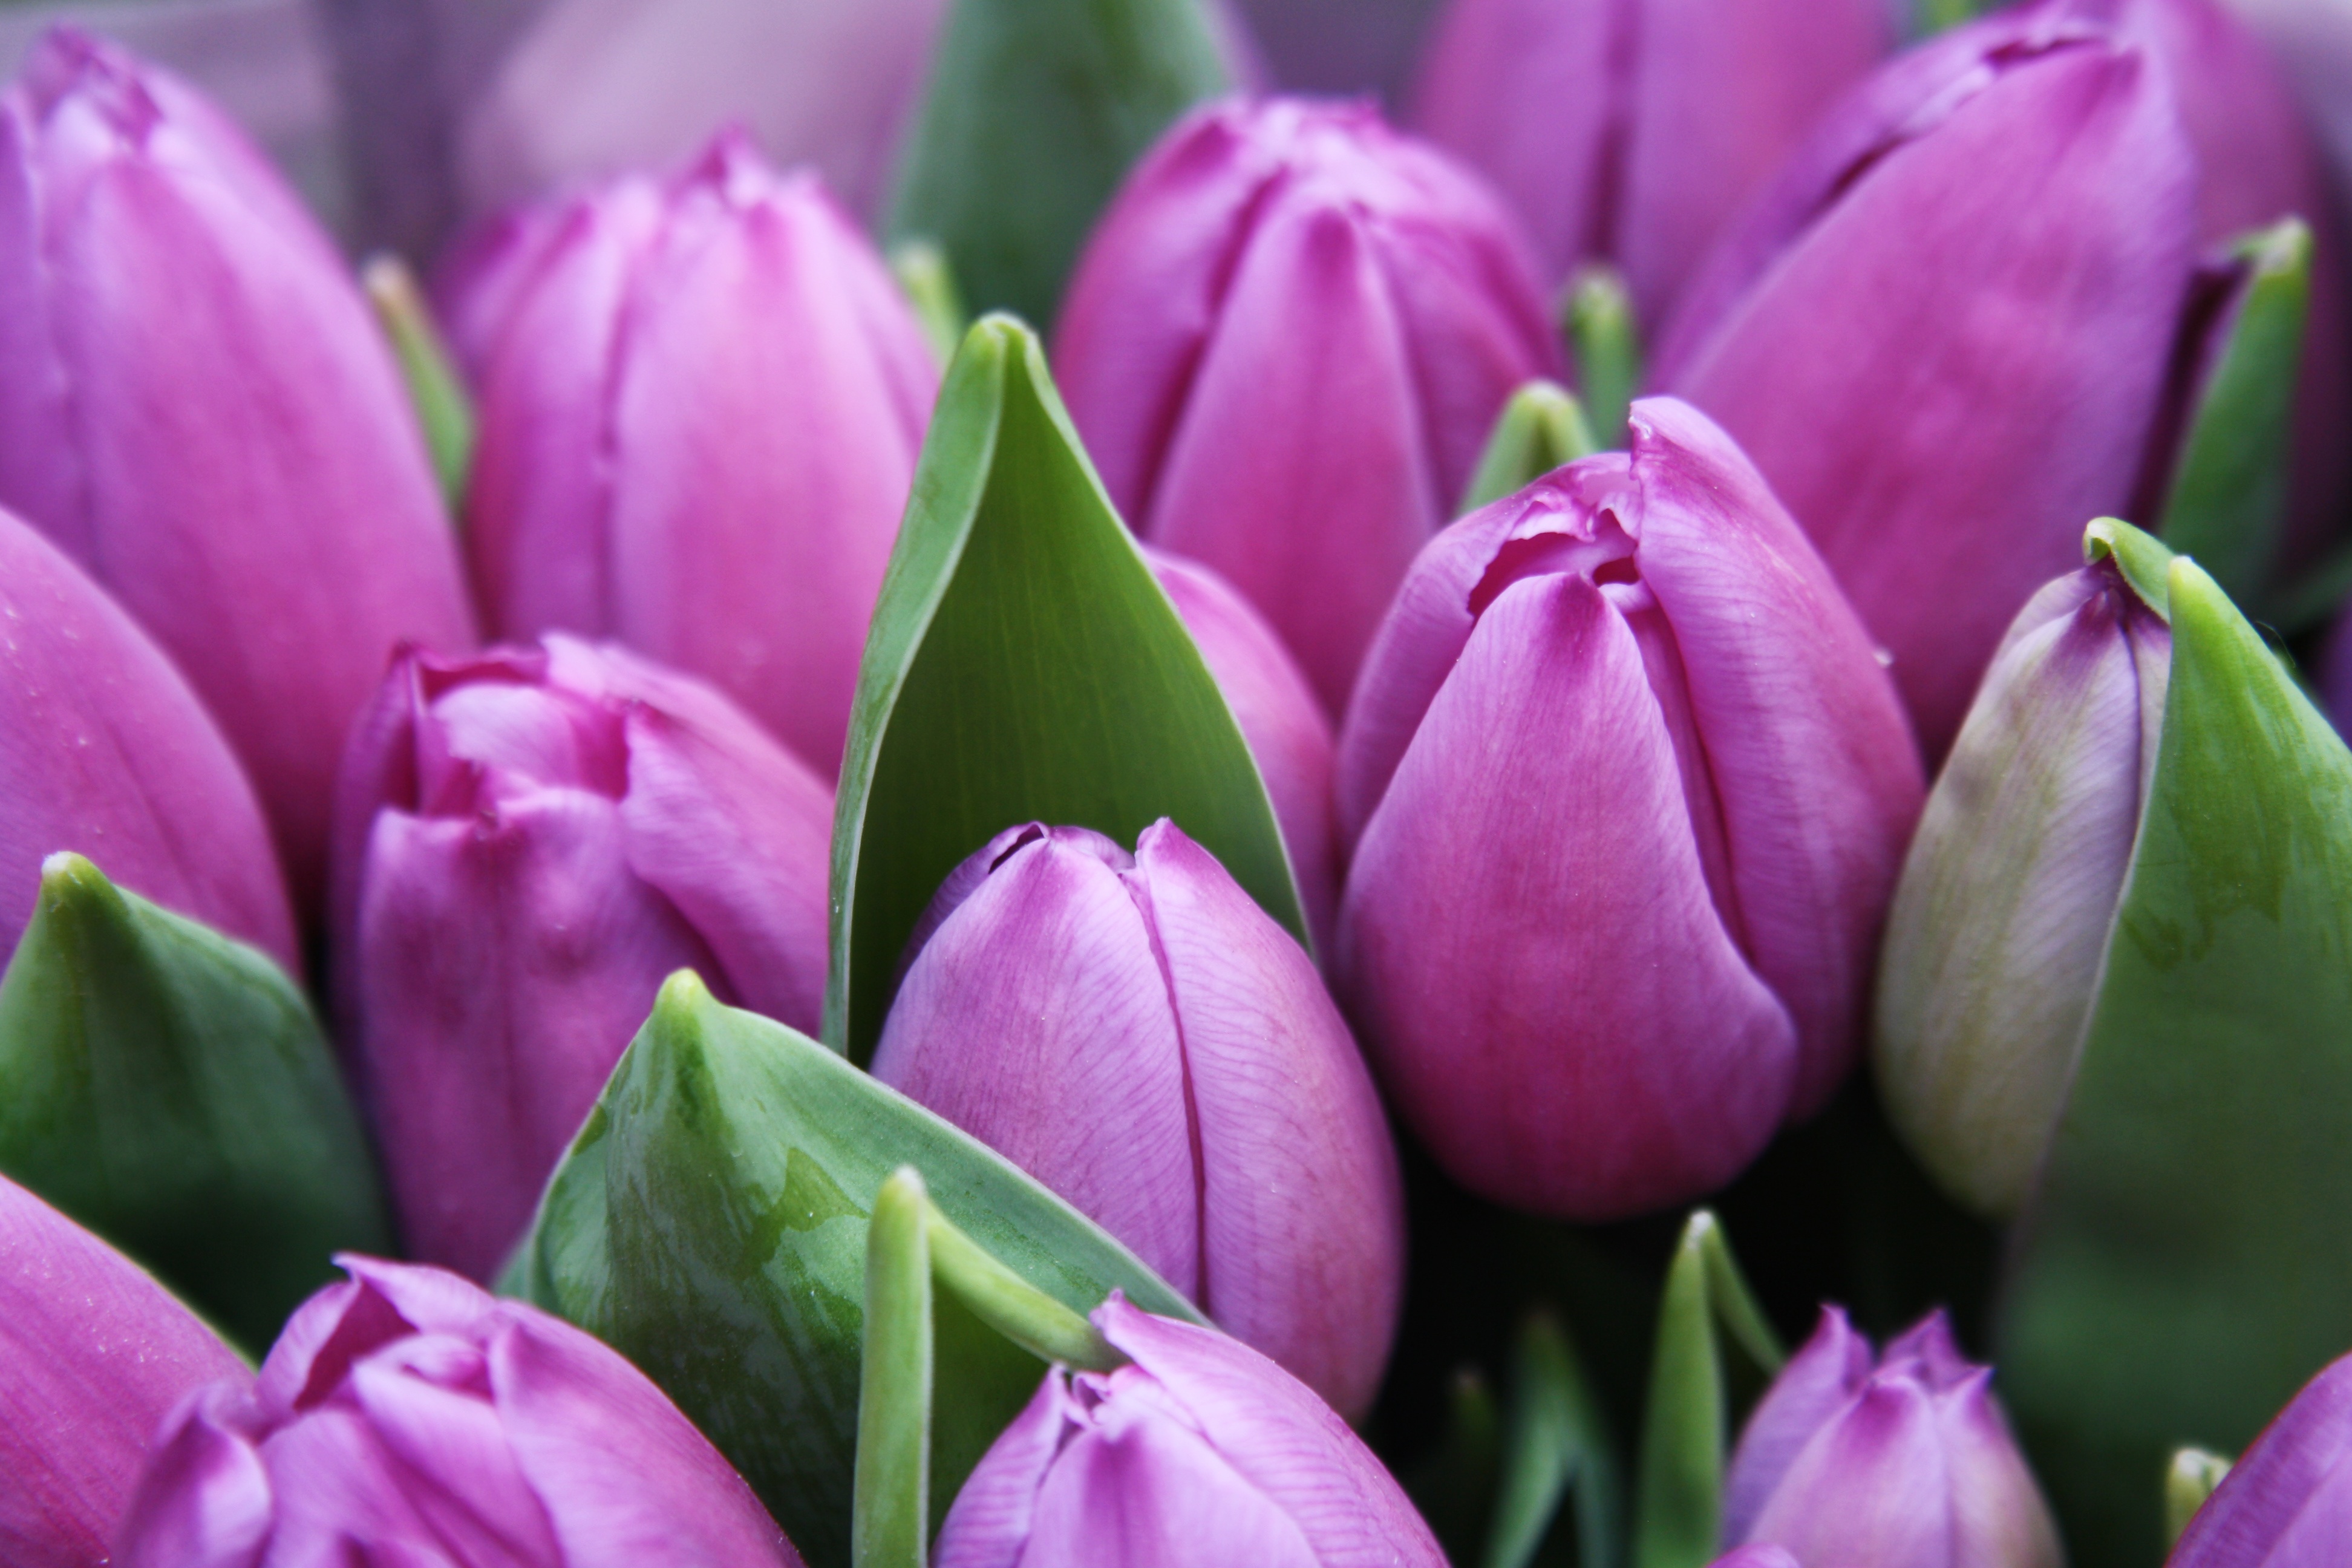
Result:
[[1853, 1461], [2008, 898], [2287, 1503], [1142, 1037], [1628, 789], [405, 1416], [529, 842], [1286, 343], [1200, 1453], [701, 401]]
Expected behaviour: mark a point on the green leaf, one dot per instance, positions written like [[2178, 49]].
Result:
[[2228, 499], [1031, 114], [1541, 428], [2145, 561], [2189, 1480], [1557, 1440], [922, 269], [894, 1395], [444, 408], [1455, 1485], [169, 1089], [711, 1224], [1607, 348], [1679, 1523], [2186, 1264], [1023, 664]]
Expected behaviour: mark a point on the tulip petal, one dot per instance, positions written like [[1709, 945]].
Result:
[[1810, 1392], [1871, 1490], [2296, 1477], [203, 1500], [1998, 1515], [990, 1521]]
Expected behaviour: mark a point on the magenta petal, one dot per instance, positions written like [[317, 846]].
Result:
[[2283, 1504], [1817, 1383], [1871, 1489], [1664, 1072], [1758, 1556], [990, 1521], [203, 1500]]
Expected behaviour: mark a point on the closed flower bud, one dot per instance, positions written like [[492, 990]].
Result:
[[93, 1356], [405, 1416], [1853, 1463], [2008, 899], [528, 843], [1633, 130], [2287, 1503], [196, 406], [1285, 345], [1199, 1453], [1628, 790], [1139, 1036], [105, 752], [701, 402]]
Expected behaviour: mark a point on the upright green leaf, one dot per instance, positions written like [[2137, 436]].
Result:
[[1557, 1445], [444, 410], [1541, 428], [1607, 348], [1455, 1485], [1023, 664], [1680, 1502], [169, 1089], [1032, 113], [2227, 502], [2187, 1263], [711, 1224], [886, 1524]]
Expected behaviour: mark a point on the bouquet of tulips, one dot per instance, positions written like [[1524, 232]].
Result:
[[957, 787]]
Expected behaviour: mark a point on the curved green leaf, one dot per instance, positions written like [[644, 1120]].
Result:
[[1558, 1442], [1023, 664], [894, 1391], [169, 1089], [711, 1224], [2187, 1263], [1541, 428]]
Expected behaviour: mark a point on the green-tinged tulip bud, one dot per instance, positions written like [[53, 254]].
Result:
[[169, 1089], [1542, 428], [2189, 1480], [2007, 900]]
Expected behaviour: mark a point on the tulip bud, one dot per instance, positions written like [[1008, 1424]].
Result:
[[2287, 1503], [1289, 738], [196, 406], [1850, 1464], [2008, 899], [93, 1355], [1629, 789], [104, 751], [1200, 1453], [700, 421], [1631, 131], [528, 843], [405, 1416], [1285, 345], [1139, 1036]]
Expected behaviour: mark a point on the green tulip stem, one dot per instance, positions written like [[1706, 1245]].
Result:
[[2189, 1480], [1597, 313], [890, 1497], [444, 409], [1010, 1304], [1540, 428]]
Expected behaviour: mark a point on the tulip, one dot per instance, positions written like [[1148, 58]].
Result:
[[405, 1416], [93, 1355], [1944, 381], [104, 751], [2008, 900], [1139, 1036], [2287, 1503], [1285, 345], [1199, 1453], [1288, 737], [1628, 790], [1850, 1464], [699, 417], [196, 406], [1633, 130], [528, 842]]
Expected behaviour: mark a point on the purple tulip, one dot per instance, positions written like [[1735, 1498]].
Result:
[[104, 751], [1943, 379], [405, 1417], [93, 1355], [196, 406], [528, 842], [1633, 130], [1629, 791], [1199, 1453], [1285, 345], [2287, 1503], [701, 406], [1852, 1463], [1288, 736], [1142, 1038]]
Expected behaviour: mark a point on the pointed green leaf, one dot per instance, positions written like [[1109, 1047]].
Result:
[[169, 1089], [1541, 428], [2145, 561], [1455, 1487], [2188, 1261], [444, 409], [1032, 113], [2189, 1480], [1680, 1519], [1558, 1441], [720, 1243], [1607, 348], [894, 1392], [921, 268], [1023, 664], [2229, 496]]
